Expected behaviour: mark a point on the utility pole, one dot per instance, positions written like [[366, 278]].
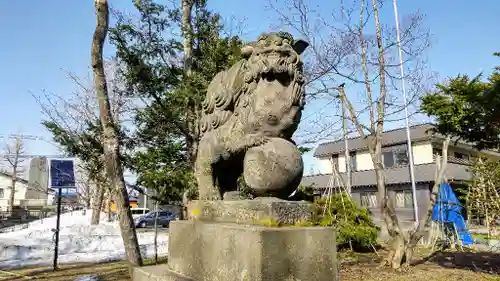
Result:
[[408, 135]]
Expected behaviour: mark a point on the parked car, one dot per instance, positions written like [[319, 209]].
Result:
[[138, 212], [148, 220]]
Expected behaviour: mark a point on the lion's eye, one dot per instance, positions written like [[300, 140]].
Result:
[[286, 41]]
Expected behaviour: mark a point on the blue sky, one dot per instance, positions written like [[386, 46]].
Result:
[[42, 38]]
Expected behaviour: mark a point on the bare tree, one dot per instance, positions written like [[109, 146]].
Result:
[[85, 187], [72, 112], [354, 62], [344, 50], [14, 159], [84, 190], [114, 169]]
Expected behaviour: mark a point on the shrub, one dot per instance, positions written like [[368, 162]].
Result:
[[352, 222]]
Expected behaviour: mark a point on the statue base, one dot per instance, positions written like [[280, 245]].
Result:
[[251, 211], [208, 249]]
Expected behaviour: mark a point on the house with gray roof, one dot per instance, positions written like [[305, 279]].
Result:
[[426, 145]]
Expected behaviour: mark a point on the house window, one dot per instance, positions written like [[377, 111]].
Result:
[[388, 158], [335, 161], [401, 157], [2, 192], [395, 158], [368, 199], [404, 199], [352, 161]]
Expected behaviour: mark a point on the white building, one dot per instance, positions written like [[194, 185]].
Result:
[[24, 196]]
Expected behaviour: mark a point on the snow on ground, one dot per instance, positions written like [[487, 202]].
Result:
[[78, 242]]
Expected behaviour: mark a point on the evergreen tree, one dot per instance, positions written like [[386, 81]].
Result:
[[468, 109], [151, 53]]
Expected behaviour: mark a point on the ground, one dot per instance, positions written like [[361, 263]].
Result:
[[354, 267], [25, 255], [418, 273], [441, 266], [110, 271]]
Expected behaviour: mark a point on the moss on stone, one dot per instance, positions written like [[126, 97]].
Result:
[[304, 223], [271, 222], [195, 213]]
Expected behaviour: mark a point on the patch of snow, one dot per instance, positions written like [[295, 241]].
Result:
[[78, 242], [88, 278]]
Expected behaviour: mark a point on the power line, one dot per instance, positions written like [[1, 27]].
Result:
[[35, 155], [23, 137]]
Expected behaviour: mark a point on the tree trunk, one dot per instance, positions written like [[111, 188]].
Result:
[[187, 32], [487, 222], [98, 202], [401, 246], [12, 197], [114, 169], [397, 242], [87, 199], [396, 254], [13, 159], [88, 203], [423, 224], [109, 203], [192, 114]]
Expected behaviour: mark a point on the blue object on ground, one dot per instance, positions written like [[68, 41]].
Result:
[[447, 209]]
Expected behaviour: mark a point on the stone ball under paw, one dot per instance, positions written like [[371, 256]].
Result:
[[273, 169]]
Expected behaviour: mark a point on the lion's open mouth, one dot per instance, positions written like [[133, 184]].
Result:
[[275, 67]]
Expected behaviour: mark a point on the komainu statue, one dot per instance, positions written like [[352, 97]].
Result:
[[249, 116]]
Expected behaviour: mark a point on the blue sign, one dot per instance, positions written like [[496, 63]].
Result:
[[68, 192], [62, 173]]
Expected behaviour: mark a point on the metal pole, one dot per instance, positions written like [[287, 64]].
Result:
[[408, 136], [156, 233], [145, 200], [56, 231], [346, 153]]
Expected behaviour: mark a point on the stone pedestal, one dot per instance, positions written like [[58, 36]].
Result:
[[250, 211], [217, 245]]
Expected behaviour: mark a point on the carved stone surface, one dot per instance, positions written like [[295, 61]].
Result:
[[272, 167], [249, 114], [250, 211]]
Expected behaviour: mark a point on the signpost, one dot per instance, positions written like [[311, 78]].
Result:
[[62, 176]]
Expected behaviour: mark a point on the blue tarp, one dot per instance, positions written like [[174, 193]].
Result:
[[448, 209]]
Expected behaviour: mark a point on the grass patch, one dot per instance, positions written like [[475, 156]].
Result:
[[110, 271], [482, 236]]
